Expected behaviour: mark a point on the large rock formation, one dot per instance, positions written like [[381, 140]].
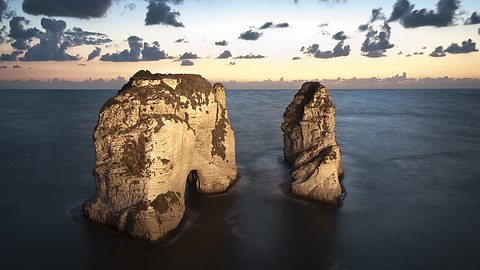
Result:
[[156, 133], [310, 144]]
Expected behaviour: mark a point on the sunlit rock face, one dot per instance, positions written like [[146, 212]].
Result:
[[156, 133], [310, 145]]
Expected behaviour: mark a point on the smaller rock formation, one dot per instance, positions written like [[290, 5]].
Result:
[[310, 145], [157, 133]]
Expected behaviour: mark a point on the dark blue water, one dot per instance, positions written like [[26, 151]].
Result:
[[412, 176]]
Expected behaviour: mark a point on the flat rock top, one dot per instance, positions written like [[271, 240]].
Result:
[[145, 86], [182, 84], [147, 75]]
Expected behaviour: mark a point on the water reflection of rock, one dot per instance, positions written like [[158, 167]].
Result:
[[312, 241], [205, 240]]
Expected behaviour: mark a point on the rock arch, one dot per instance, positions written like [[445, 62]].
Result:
[[148, 140]]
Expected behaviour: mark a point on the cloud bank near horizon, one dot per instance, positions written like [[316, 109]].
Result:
[[394, 82]]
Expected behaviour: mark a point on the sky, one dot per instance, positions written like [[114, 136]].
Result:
[[243, 44]]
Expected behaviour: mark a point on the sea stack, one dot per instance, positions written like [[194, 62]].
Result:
[[158, 132], [310, 145]]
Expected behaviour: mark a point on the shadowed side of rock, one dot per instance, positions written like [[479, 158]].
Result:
[[310, 145], [149, 138]]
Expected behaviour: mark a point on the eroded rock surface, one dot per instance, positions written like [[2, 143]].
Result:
[[156, 133], [310, 144]]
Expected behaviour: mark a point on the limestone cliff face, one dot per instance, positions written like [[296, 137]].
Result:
[[156, 133], [310, 144]]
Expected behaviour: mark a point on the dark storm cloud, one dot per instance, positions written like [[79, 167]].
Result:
[[340, 36], [282, 25], [94, 54], [225, 55], [22, 36], [363, 27], [467, 46], [138, 52], [312, 49], [376, 43], [187, 62], [250, 35], [10, 57], [377, 15], [181, 40], [135, 44], [153, 53], [296, 58], [84, 9], [48, 50], [52, 46], [339, 50], [53, 26], [221, 43], [78, 37], [3, 33], [404, 12], [438, 52], [400, 9], [268, 25], [188, 55], [124, 56], [250, 56], [474, 19], [3, 9], [160, 13]]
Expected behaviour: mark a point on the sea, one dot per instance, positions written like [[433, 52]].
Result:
[[411, 163]]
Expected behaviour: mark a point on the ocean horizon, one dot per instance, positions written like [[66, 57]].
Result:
[[411, 174]]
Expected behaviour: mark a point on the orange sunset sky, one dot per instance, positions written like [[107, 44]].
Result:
[[242, 41]]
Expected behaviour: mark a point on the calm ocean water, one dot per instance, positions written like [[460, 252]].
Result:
[[412, 176]]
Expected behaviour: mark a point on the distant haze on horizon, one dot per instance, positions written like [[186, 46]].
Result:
[[262, 44]]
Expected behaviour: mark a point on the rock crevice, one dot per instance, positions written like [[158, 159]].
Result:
[[148, 139]]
